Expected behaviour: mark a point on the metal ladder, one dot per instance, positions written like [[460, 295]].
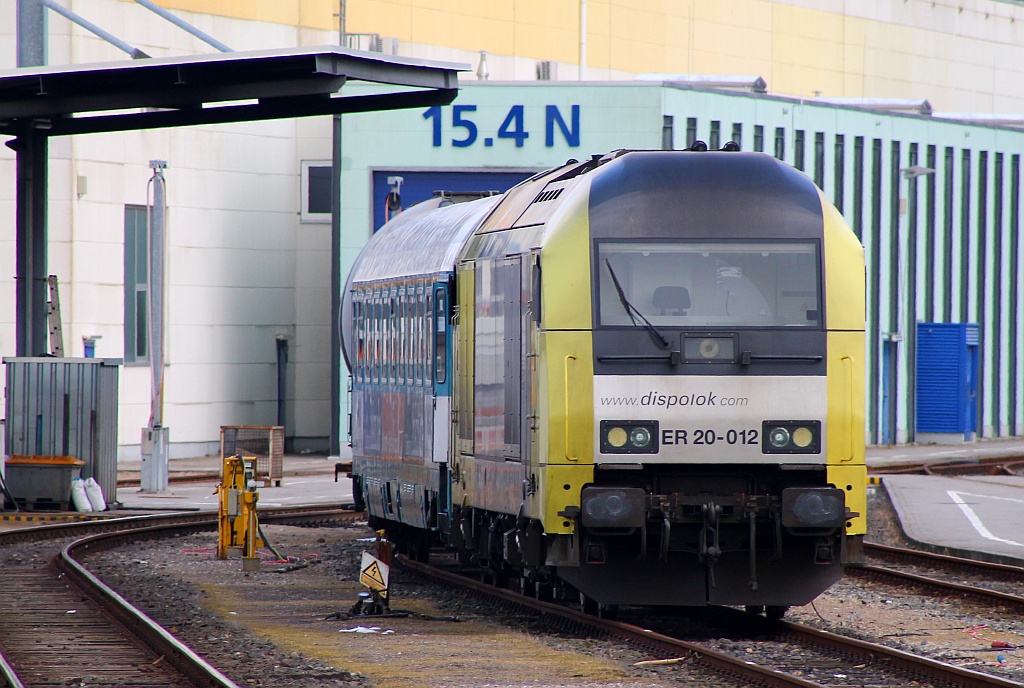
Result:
[[53, 319]]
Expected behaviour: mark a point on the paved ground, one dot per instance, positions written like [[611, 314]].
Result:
[[306, 479]]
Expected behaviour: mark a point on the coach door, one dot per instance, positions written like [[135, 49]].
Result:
[[498, 360], [439, 302]]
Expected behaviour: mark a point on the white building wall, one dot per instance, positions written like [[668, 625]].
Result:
[[241, 269]]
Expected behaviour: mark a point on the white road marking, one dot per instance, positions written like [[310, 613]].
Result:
[[975, 520]]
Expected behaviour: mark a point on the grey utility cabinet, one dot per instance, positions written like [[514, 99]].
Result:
[[65, 407]]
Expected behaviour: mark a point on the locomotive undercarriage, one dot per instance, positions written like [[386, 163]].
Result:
[[724, 539]]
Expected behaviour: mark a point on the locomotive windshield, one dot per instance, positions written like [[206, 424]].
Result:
[[711, 284]]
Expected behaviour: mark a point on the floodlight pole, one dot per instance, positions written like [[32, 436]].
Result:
[[155, 442], [906, 316], [334, 437]]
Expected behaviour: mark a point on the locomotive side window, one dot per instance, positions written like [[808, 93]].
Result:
[[440, 336], [711, 284]]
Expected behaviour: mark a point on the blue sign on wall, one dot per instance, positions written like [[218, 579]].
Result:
[[463, 130]]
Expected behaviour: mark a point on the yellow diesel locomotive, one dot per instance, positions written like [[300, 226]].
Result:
[[637, 378]]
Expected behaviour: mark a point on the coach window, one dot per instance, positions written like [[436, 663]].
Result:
[[414, 335], [421, 334], [385, 336], [428, 335], [357, 337], [385, 332], [377, 342], [403, 336], [399, 339], [393, 336]]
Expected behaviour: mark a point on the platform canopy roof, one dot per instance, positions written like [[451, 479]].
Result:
[[151, 93]]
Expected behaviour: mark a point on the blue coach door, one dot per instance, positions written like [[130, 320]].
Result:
[[441, 348], [420, 186]]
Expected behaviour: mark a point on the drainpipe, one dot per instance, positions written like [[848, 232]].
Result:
[[282, 369]]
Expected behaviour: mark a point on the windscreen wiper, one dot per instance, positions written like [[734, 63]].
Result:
[[653, 331]]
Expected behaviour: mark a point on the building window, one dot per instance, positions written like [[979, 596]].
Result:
[[819, 159], [798, 150], [316, 191], [737, 134], [758, 138], [136, 284], [839, 183], [715, 137], [780, 143], [691, 131]]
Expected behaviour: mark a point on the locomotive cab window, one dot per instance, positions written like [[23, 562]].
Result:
[[710, 284]]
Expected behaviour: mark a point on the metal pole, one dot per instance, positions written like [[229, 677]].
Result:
[[31, 34], [334, 448], [32, 147], [157, 213], [908, 318], [336, 367], [182, 24], [89, 26], [156, 438], [583, 40], [342, 33]]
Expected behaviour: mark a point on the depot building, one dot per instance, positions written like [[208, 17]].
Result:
[[935, 200], [251, 238]]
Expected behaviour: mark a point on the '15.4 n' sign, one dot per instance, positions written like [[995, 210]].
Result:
[[513, 128]]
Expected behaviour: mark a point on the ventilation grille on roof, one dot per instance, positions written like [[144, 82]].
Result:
[[548, 195]]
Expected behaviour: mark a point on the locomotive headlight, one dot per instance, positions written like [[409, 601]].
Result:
[[612, 507], [617, 437], [709, 347], [791, 437], [778, 437], [802, 437], [813, 507], [629, 437], [640, 437]]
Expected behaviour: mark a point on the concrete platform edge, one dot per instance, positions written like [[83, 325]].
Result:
[[902, 517]]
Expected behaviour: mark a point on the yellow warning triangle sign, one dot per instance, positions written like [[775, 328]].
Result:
[[374, 573]]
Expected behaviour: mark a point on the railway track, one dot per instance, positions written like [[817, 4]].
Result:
[[956, 468], [986, 582], [61, 626], [784, 653]]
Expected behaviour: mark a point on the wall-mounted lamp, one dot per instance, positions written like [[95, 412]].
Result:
[[482, 72]]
